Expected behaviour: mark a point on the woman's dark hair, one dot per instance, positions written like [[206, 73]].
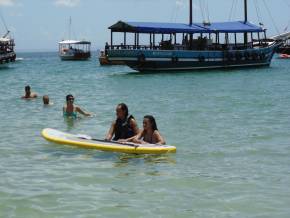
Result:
[[152, 121], [27, 88], [69, 96], [124, 108]]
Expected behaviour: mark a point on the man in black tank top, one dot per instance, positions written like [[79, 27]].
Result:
[[124, 126]]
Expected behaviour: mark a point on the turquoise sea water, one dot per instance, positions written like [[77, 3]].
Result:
[[231, 129]]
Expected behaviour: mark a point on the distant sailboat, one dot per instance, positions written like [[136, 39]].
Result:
[[74, 49]]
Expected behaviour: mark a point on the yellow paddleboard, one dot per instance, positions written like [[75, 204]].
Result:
[[84, 141]]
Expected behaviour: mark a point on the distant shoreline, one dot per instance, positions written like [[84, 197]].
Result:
[[44, 51]]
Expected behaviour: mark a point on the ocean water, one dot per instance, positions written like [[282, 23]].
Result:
[[231, 129]]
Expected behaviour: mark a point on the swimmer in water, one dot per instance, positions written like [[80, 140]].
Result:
[[29, 94], [46, 101], [71, 110]]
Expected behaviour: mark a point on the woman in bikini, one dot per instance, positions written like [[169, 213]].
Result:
[[149, 134], [71, 110]]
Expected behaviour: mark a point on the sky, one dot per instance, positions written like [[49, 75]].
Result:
[[38, 25]]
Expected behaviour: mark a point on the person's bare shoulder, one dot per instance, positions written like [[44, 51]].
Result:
[[33, 95]]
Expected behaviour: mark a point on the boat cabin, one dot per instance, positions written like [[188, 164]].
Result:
[[235, 35]]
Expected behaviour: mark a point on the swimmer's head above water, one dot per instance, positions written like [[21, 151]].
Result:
[[45, 99]]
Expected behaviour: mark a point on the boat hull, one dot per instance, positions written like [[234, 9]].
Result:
[[172, 60], [284, 50], [105, 62], [7, 58], [75, 57]]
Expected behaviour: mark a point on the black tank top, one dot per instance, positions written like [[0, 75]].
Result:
[[123, 130]]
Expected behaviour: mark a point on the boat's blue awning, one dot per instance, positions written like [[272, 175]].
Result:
[[150, 27], [232, 27], [166, 28]]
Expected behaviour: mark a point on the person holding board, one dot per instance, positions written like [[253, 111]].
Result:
[[149, 134], [124, 127]]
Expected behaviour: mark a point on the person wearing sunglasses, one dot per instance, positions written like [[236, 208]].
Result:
[[71, 110]]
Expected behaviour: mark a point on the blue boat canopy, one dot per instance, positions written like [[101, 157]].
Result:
[[232, 27], [167, 28]]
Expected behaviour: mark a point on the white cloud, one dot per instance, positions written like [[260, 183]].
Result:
[[65, 3], [7, 2]]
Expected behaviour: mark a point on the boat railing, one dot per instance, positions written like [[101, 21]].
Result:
[[180, 47]]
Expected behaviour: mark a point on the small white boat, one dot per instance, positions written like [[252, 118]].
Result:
[[74, 50]]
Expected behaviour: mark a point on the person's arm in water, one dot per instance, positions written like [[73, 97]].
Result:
[[63, 110], [158, 138], [32, 95], [111, 132], [87, 114]]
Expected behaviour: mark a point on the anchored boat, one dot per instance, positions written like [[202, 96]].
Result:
[[7, 53], [7, 45], [74, 49], [284, 49], [179, 46]]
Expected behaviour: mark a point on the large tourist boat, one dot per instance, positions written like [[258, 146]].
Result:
[[7, 53], [180, 46]]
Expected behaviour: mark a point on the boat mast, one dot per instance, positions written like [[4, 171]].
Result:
[[246, 10], [190, 23], [190, 12], [69, 29], [246, 20]]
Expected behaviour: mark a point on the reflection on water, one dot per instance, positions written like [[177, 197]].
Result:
[[128, 159]]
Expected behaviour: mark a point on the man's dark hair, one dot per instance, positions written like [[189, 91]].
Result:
[[124, 108]]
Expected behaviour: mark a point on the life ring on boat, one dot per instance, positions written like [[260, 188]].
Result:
[[247, 55], [174, 59], [141, 58], [201, 58]]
